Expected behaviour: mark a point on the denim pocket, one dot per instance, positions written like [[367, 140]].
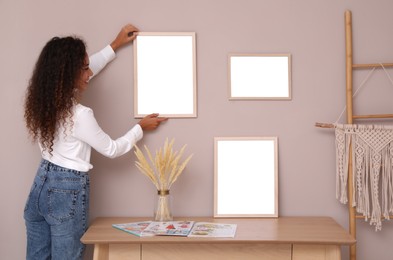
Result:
[[62, 203]]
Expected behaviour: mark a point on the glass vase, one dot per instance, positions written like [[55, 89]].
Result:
[[162, 210]]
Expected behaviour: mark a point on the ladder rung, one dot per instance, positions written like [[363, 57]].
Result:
[[372, 65], [363, 217], [372, 116]]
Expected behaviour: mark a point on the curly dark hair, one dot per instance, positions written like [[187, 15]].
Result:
[[51, 92]]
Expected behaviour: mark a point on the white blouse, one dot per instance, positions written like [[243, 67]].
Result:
[[72, 145]]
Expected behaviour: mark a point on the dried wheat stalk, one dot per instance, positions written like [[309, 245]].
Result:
[[164, 169]]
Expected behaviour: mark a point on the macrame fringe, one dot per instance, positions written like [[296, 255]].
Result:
[[372, 168]]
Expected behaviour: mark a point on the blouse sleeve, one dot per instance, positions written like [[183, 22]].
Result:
[[99, 60], [87, 129]]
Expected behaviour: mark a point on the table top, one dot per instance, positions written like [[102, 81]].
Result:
[[294, 230]]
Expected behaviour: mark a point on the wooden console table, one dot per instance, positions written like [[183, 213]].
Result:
[[289, 238]]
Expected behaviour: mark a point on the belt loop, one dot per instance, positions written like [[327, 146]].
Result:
[[47, 166]]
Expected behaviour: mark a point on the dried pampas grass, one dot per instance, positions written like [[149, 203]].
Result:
[[164, 169]]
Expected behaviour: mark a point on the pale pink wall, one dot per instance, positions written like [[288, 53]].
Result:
[[311, 30]]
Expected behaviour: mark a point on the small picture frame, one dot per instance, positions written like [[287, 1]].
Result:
[[259, 76]]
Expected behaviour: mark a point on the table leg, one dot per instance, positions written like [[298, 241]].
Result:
[[101, 252]]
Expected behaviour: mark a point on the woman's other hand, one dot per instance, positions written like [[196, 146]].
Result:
[[151, 122], [127, 34]]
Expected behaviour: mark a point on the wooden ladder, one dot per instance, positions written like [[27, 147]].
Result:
[[351, 117]]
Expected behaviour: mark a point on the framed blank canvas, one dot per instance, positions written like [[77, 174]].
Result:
[[245, 177], [259, 76], [165, 74]]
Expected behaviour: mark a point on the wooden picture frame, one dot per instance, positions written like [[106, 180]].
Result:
[[245, 177], [259, 76], [165, 74]]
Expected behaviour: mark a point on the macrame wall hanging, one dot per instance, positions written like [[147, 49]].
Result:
[[372, 165], [372, 160]]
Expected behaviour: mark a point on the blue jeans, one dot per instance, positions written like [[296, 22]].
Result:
[[56, 213]]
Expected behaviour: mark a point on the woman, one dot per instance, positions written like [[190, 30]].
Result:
[[56, 211]]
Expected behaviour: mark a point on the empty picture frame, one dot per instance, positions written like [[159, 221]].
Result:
[[259, 76], [165, 74], [245, 177]]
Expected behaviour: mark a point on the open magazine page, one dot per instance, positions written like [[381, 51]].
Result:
[[205, 229], [135, 228], [169, 228]]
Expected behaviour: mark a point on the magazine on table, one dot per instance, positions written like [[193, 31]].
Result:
[[178, 228], [135, 228], [153, 228], [170, 228], [206, 229]]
